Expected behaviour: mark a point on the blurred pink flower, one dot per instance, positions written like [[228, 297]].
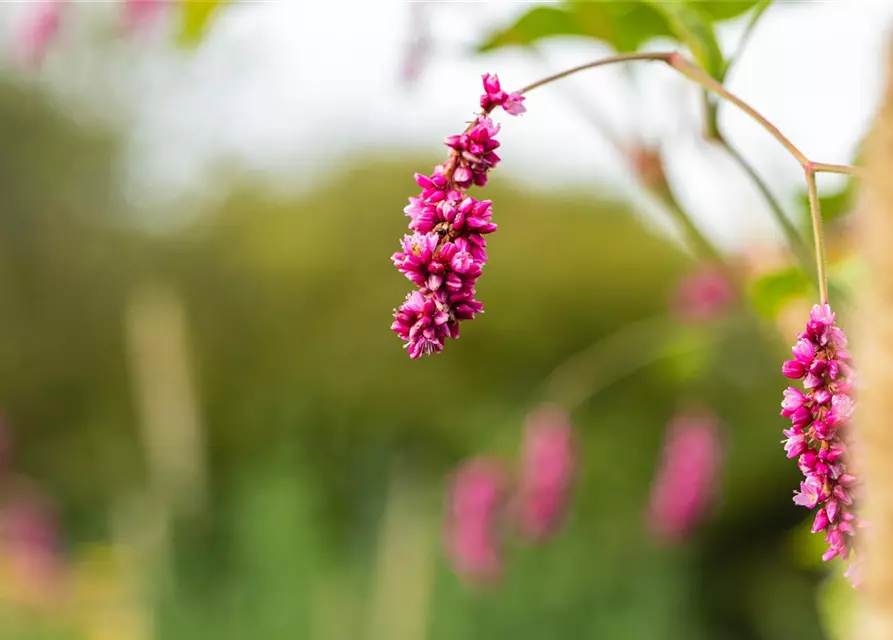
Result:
[[30, 544], [39, 32], [647, 163], [685, 482], [477, 495], [418, 47], [548, 461], [702, 296], [139, 13]]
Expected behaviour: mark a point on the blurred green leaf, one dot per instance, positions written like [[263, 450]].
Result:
[[805, 547], [686, 353], [833, 205], [719, 10], [846, 274], [836, 604], [770, 292], [695, 30], [755, 17], [623, 25], [195, 16], [626, 26], [538, 23]]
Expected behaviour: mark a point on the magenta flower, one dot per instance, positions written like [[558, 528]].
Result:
[[819, 435], [446, 253], [494, 96], [548, 461], [810, 493], [702, 296], [422, 322], [685, 482], [477, 496], [432, 265]]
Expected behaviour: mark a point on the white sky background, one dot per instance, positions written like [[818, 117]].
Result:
[[295, 88]]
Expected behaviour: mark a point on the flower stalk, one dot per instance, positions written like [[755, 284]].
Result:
[[696, 74]]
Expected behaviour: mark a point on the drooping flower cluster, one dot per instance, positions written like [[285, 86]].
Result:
[[446, 253], [818, 435], [485, 500], [685, 481]]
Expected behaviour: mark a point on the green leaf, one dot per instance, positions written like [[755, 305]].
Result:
[[625, 26], [769, 293], [719, 10], [694, 29], [195, 17], [536, 24]]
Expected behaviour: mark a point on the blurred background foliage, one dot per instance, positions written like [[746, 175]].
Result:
[[313, 416], [238, 447]]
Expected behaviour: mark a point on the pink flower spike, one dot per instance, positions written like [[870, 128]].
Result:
[[446, 265], [819, 430], [476, 500], [685, 481], [548, 461]]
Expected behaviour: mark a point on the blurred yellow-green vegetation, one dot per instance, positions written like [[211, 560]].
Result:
[[238, 447]]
